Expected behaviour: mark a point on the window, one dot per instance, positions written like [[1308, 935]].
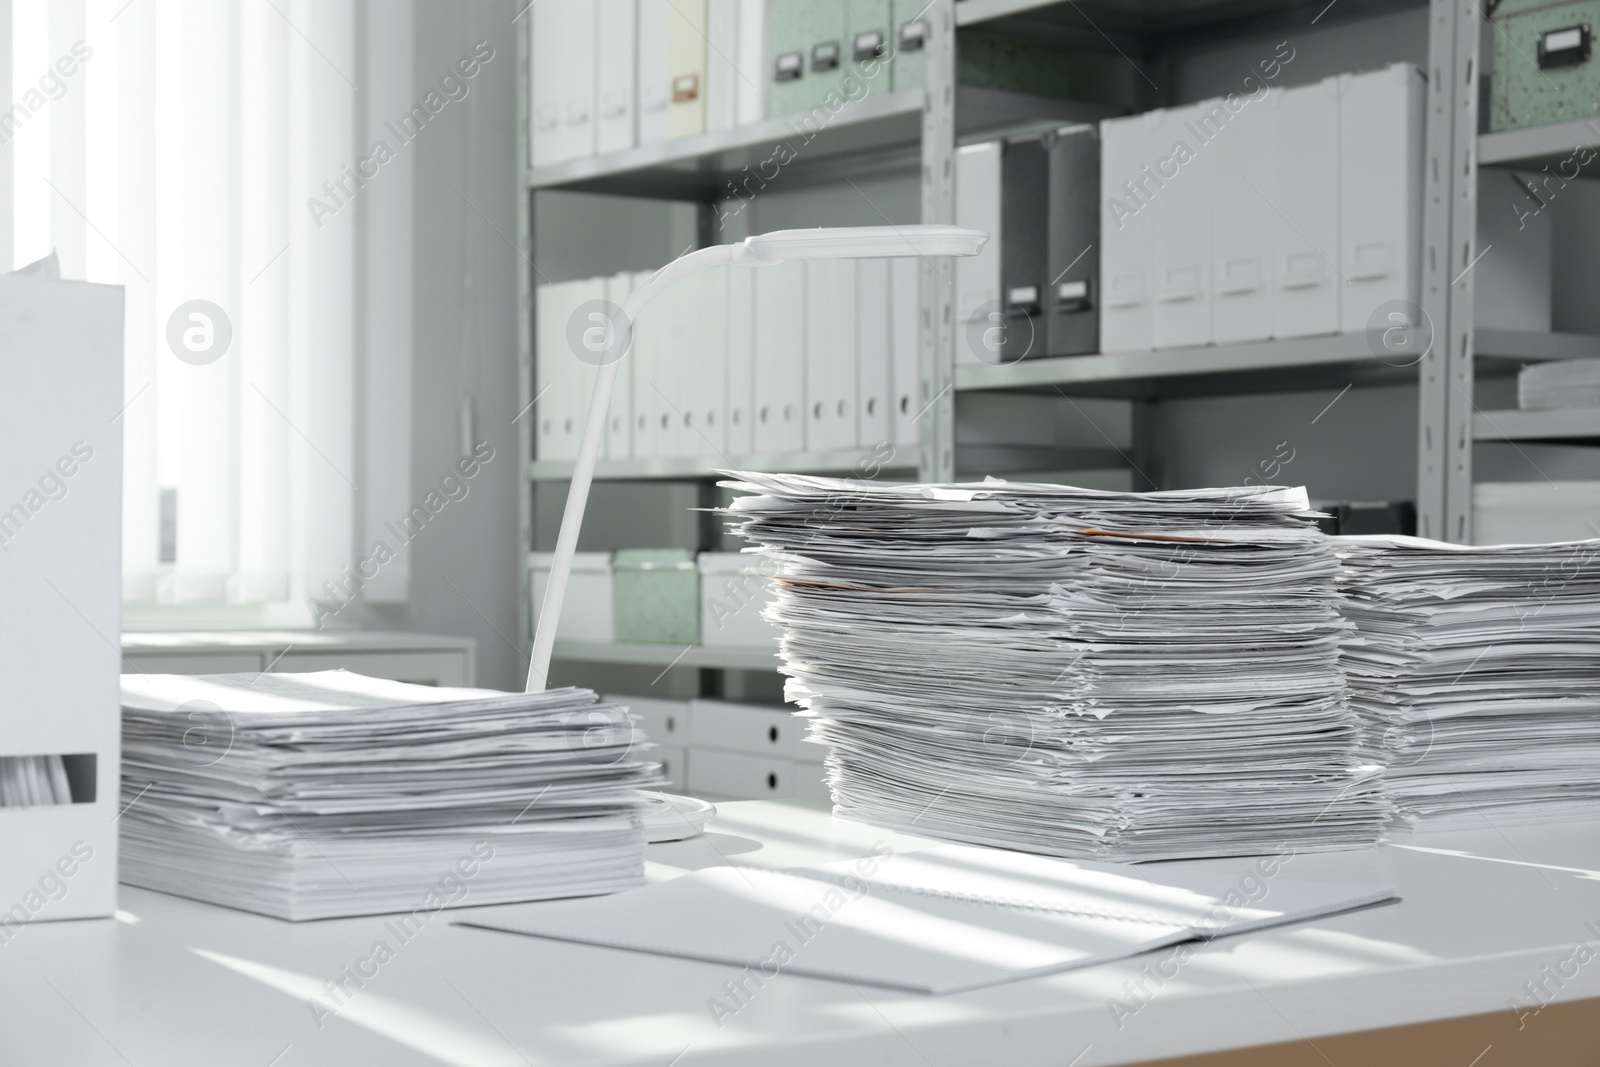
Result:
[[199, 153]]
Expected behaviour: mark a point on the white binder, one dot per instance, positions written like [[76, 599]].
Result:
[[706, 392], [1380, 191], [616, 73], [619, 422], [831, 298], [722, 56], [575, 55], [780, 362], [1242, 224], [751, 66], [1305, 234], [874, 389], [655, 79], [583, 315], [556, 374], [1129, 186], [1180, 224], [650, 354], [544, 83], [741, 362], [977, 278], [686, 71], [905, 313]]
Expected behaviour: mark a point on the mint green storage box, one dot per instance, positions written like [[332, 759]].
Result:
[[656, 596]]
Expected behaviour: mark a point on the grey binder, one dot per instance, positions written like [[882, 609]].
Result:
[[1073, 278], [1024, 248]]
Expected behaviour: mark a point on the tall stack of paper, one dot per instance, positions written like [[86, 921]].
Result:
[[1069, 671], [1473, 669], [1561, 383], [307, 796]]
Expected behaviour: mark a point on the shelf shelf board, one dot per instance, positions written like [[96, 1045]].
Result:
[[1159, 23], [1527, 344], [848, 462], [1562, 424], [880, 130], [739, 659], [1536, 146], [1257, 366]]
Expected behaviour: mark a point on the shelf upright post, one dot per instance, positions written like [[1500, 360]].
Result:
[[939, 333], [1445, 378], [526, 418]]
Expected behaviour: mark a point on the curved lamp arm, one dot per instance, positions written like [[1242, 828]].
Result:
[[854, 242]]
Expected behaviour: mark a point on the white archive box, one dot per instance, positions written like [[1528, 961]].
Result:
[[1304, 200], [686, 68], [558, 373], [650, 353], [563, 80], [722, 58], [905, 340], [584, 319], [874, 353], [1528, 513], [780, 371], [757, 729], [586, 610], [741, 382], [733, 591], [977, 278], [1180, 224], [654, 23], [703, 341], [1242, 224], [619, 417], [1380, 192], [61, 445], [830, 358], [1128, 186], [751, 65], [616, 74]]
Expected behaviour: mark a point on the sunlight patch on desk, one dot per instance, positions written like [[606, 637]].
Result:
[[407, 1024], [126, 918], [1302, 954], [662, 1034], [1581, 872]]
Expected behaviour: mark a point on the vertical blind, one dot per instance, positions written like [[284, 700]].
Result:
[[171, 147]]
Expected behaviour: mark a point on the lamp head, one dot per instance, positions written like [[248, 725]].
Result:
[[864, 242]]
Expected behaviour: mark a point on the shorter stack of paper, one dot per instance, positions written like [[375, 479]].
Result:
[[1561, 383], [308, 796], [943, 920], [1474, 669], [26, 781], [1133, 676]]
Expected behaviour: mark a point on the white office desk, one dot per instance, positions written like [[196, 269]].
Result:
[[172, 983]]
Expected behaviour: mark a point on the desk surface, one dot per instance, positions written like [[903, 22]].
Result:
[[175, 983]]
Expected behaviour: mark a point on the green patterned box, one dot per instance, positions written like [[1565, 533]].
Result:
[[655, 595], [1538, 78]]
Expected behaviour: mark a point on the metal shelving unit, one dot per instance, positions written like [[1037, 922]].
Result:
[[922, 128]]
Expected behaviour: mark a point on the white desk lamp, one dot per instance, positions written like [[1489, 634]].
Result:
[[846, 242]]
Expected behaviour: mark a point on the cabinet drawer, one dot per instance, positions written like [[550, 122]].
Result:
[[666, 722], [736, 776], [752, 728]]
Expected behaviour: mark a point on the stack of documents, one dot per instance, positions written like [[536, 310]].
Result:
[[307, 796], [1561, 383], [1082, 673], [1474, 669], [26, 781], [943, 920]]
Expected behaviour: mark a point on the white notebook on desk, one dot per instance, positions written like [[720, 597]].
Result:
[[944, 920]]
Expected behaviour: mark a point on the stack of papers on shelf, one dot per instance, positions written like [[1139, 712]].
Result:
[[1475, 671], [1560, 383], [306, 796], [943, 920], [26, 781], [1131, 676]]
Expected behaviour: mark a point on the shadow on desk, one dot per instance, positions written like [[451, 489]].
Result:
[[1557, 1035]]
